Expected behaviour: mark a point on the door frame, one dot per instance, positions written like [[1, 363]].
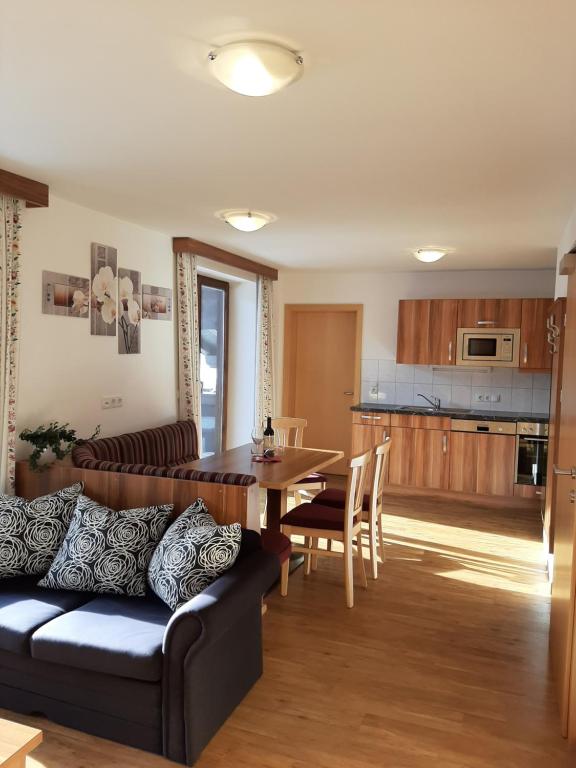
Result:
[[223, 285], [288, 378]]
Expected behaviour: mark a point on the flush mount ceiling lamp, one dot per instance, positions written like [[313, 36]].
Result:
[[429, 255], [255, 68], [246, 221]]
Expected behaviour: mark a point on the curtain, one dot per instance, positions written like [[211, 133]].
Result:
[[189, 400], [264, 352], [9, 319]]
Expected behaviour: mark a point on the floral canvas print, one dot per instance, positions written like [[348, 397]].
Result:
[[103, 308], [156, 303], [130, 311], [65, 295]]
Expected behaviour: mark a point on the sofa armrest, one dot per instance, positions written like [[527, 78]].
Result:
[[213, 655]]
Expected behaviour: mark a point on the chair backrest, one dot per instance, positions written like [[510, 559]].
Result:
[[357, 477], [381, 452], [289, 431]]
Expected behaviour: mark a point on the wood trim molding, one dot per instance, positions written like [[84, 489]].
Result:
[[197, 247], [34, 193], [568, 263]]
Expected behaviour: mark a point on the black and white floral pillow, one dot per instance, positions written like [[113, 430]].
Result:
[[31, 532], [106, 551], [195, 550]]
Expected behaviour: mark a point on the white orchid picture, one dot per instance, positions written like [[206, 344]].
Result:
[[103, 303], [129, 311], [65, 295]]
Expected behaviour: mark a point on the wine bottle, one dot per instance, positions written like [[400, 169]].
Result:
[[268, 436]]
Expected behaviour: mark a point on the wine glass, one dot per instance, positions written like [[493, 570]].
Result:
[[257, 439]]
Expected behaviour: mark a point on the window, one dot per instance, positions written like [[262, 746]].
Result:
[[213, 314]]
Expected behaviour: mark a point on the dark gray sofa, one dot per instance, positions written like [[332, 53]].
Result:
[[130, 670]]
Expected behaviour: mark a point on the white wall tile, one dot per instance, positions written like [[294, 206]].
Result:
[[481, 379], [386, 370], [367, 386], [501, 377], [540, 400], [505, 394], [541, 380], [386, 392], [461, 397], [444, 392], [483, 406], [405, 373], [370, 369], [422, 374], [521, 380], [461, 378], [442, 377], [521, 400], [404, 393]]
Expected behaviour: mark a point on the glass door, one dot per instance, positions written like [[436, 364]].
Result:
[[213, 316]]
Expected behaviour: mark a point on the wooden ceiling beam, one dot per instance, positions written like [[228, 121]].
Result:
[[34, 193], [197, 247]]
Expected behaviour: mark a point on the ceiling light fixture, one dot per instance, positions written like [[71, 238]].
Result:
[[246, 221], [255, 68], [429, 255]]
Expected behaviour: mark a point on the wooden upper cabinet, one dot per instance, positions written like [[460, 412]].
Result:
[[427, 331], [489, 313], [534, 348]]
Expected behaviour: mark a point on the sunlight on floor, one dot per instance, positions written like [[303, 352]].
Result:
[[484, 578]]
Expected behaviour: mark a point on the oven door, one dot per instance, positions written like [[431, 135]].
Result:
[[531, 460]]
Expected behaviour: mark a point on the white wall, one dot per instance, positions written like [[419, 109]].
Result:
[[566, 244], [64, 371]]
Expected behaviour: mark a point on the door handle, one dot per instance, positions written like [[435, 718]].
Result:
[[569, 472], [525, 356], [444, 443], [348, 393], [572, 497], [449, 351]]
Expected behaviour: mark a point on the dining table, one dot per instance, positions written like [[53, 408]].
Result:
[[290, 466]]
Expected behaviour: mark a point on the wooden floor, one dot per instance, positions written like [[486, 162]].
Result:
[[441, 664]]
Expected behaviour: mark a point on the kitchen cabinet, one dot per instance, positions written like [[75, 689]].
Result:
[[481, 463], [419, 457], [368, 431], [427, 331], [489, 313], [534, 348]]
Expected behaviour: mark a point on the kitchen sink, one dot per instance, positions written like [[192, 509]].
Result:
[[429, 409]]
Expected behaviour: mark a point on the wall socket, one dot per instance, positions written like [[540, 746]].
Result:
[[112, 402], [480, 397]]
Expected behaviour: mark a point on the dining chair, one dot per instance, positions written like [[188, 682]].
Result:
[[317, 521], [289, 432], [372, 504]]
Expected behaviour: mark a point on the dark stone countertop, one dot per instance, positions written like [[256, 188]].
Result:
[[455, 413]]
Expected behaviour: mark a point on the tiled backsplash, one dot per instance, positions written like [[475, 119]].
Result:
[[384, 381]]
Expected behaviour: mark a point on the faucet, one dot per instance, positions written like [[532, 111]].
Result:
[[434, 401]]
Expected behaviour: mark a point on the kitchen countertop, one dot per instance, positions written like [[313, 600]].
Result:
[[455, 413]]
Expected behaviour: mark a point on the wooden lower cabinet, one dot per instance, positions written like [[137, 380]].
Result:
[[482, 464], [368, 436], [420, 458]]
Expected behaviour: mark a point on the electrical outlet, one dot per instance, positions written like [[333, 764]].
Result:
[[112, 402], [374, 392], [479, 397]]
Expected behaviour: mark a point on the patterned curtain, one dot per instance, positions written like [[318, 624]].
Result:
[[9, 319], [189, 401], [264, 352]]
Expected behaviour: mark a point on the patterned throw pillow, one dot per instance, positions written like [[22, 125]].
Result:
[[31, 532], [107, 551], [195, 550]]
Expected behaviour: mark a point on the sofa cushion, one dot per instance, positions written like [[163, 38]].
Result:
[[107, 551], [31, 532], [192, 554], [111, 635], [24, 607]]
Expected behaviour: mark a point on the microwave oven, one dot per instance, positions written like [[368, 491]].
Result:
[[492, 346]]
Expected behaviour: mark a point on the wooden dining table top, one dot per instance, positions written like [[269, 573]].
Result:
[[294, 464], [16, 741]]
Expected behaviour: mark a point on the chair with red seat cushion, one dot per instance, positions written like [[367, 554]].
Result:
[[334, 497], [281, 546], [315, 521], [289, 432]]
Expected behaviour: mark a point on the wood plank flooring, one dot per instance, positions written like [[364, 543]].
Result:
[[441, 664]]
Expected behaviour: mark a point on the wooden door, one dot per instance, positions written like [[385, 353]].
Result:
[[489, 313], [431, 459], [556, 316], [496, 465], [427, 331], [534, 348], [562, 638], [464, 462], [401, 456], [322, 347]]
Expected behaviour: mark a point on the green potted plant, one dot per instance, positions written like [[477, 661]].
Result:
[[58, 438]]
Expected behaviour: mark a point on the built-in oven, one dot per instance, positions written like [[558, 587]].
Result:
[[531, 453], [491, 346]]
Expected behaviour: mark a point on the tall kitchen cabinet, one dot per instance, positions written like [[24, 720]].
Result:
[[535, 351], [427, 331]]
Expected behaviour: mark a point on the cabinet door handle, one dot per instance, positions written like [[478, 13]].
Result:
[[485, 322], [373, 418], [449, 351], [444, 443], [384, 435], [348, 392], [525, 355]]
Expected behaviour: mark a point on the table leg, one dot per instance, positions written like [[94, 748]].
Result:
[[276, 507]]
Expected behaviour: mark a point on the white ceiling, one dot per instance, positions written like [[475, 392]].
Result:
[[417, 122]]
